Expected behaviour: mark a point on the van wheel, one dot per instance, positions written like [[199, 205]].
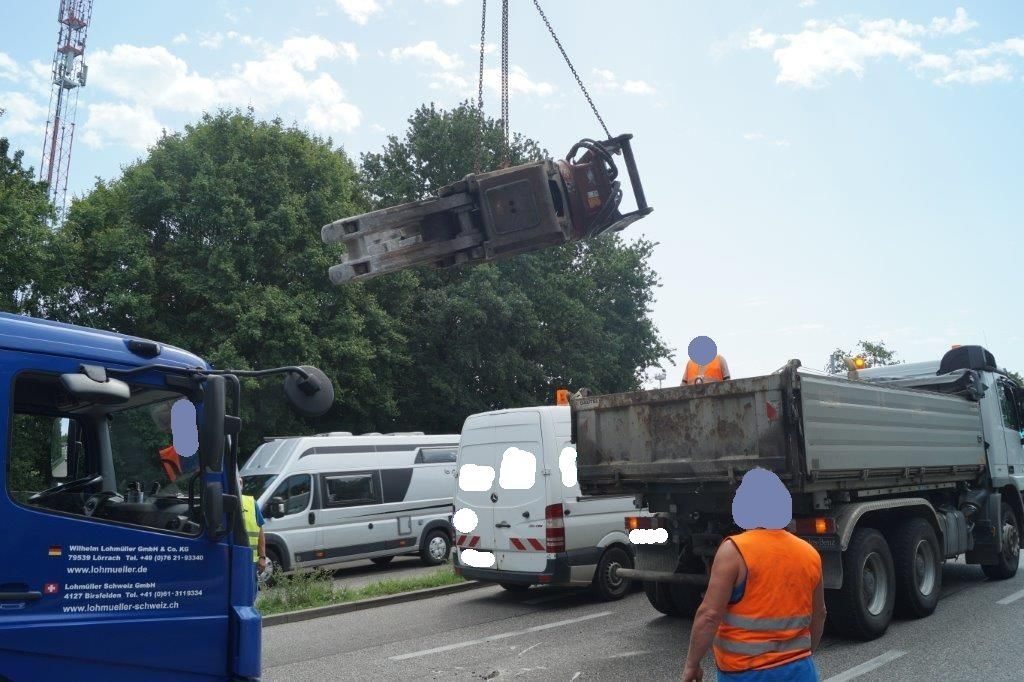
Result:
[[607, 584], [382, 560], [436, 547], [918, 564], [862, 608], [1009, 558], [275, 566]]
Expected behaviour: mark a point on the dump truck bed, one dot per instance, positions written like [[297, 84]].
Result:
[[815, 432]]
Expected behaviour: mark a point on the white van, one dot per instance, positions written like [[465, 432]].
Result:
[[351, 497], [529, 524]]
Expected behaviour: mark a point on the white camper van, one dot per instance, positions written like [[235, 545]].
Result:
[[348, 497], [520, 519]]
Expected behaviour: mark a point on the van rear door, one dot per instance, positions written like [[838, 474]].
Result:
[[510, 510]]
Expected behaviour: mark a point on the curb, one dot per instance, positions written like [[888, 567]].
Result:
[[363, 604]]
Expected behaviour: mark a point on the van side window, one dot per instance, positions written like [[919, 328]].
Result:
[[347, 490], [295, 491], [435, 456]]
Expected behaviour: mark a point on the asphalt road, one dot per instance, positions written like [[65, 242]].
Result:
[[977, 633]]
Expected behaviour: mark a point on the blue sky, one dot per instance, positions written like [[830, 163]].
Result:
[[821, 172]]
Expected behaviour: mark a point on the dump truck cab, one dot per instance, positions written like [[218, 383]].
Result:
[[116, 564]]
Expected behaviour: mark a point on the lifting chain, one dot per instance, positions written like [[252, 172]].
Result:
[[572, 68], [505, 128], [480, 93], [504, 83]]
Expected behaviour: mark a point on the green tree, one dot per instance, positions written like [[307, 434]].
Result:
[[212, 243], [1017, 378], [875, 352], [506, 334], [26, 251]]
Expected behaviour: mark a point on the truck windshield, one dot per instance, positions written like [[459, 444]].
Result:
[[112, 463]]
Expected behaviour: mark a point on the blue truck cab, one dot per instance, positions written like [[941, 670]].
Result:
[[123, 559]]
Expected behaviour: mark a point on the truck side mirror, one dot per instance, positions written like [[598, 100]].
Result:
[[274, 508], [211, 436]]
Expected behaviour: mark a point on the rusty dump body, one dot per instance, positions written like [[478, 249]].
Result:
[[817, 433]]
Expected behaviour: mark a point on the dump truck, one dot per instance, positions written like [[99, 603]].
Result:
[[892, 471]]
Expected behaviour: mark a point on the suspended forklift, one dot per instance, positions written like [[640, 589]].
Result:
[[489, 216]]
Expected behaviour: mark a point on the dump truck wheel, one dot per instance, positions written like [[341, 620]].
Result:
[[918, 563], [660, 598], [863, 607], [1009, 558]]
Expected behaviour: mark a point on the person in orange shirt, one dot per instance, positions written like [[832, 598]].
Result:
[[705, 364], [764, 609]]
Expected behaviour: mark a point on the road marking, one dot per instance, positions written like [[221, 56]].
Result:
[[1012, 598], [576, 676], [503, 635], [527, 649], [867, 666]]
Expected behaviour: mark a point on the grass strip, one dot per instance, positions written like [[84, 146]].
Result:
[[310, 589]]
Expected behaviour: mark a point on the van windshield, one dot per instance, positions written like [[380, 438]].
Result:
[[255, 485]]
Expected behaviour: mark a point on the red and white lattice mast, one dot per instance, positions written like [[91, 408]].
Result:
[[69, 73]]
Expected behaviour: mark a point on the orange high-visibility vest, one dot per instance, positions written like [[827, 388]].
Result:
[[771, 624], [698, 374], [170, 462]]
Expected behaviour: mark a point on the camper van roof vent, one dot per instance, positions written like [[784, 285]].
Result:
[[405, 433], [336, 433]]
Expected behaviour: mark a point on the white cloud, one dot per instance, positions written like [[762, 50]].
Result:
[[284, 80], [808, 3], [359, 11], [450, 3], [446, 80], [826, 48], [22, 115], [9, 69], [761, 137], [179, 39], [759, 40], [134, 126], [607, 81], [426, 51], [211, 40], [978, 73], [638, 88], [518, 82]]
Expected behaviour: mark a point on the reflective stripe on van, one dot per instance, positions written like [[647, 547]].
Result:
[[520, 544]]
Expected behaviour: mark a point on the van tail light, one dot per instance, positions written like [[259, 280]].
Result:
[[554, 528]]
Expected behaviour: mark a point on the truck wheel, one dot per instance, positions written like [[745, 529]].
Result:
[[678, 601], [1009, 558], [863, 607], [660, 598], [918, 563], [436, 547], [607, 584]]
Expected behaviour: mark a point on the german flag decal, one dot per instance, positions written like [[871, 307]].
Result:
[[55, 550]]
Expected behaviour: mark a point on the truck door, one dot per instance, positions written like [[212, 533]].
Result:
[[107, 568], [1013, 431]]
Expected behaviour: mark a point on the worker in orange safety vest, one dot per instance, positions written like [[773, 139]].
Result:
[[716, 370], [764, 609]]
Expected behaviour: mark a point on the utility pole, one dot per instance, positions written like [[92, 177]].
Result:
[[68, 75]]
